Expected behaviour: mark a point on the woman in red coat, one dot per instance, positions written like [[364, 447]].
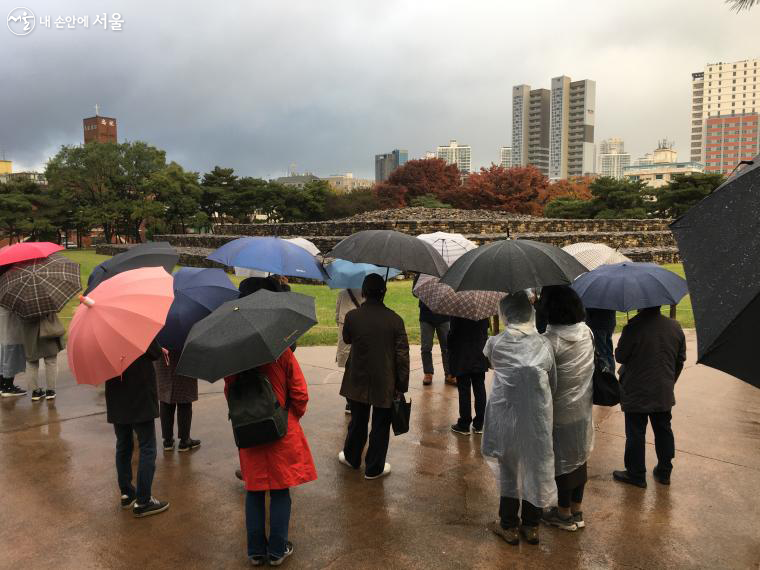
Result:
[[276, 466]]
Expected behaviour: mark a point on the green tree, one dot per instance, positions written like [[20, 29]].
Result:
[[177, 193], [217, 188], [566, 207], [428, 201], [618, 198], [681, 193], [350, 203]]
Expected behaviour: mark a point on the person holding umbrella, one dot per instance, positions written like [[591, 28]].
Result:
[[12, 359], [377, 370], [652, 351], [43, 340]]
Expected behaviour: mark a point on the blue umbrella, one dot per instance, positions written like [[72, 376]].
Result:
[[197, 292], [629, 285], [270, 254], [349, 275]]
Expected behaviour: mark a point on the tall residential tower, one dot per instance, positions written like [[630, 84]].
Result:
[[455, 153]]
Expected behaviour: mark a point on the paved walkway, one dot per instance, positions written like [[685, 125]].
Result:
[[59, 504]]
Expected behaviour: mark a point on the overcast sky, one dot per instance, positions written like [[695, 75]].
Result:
[[258, 85]]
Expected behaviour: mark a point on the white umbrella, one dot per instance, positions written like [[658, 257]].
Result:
[[450, 246], [303, 243], [593, 255]]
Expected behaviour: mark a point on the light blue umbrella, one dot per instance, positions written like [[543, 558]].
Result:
[[270, 254], [349, 275]]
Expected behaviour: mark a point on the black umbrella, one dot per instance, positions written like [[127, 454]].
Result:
[[511, 266], [390, 248], [719, 243], [150, 254], [245, 333]]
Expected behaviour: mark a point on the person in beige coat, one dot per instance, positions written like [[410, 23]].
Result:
[[41, 341]]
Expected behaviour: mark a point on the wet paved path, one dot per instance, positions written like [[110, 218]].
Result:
[[59, 501]]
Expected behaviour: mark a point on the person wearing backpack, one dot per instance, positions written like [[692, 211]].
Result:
[[275, 466]]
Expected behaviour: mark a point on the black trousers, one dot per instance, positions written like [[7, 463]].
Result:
[[476, 382], [509, 507], [184, 419], [564, 498], [374, 461], [635, 442]]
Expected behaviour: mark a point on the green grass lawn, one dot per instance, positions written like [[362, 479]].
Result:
[[399, 298]]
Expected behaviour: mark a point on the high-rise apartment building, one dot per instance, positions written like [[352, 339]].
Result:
[[505, 157], [612, 158], [725, 101], [554, 129], [385, 164], [458, 154], [99, 129]]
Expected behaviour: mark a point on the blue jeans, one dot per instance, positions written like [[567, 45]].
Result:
[[256, 519], [146, 438], [603, 344]]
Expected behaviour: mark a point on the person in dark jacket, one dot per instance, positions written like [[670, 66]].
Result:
[[602, 323], [432, 324], [468, 364], [176, 394], [132, 407], [377, 370], [652, 351]]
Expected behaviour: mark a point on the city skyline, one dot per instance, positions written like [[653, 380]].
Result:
[[323, 105]]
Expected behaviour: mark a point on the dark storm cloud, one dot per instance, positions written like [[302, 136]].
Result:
[[258, 85]]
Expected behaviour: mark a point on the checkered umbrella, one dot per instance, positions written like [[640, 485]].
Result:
[[38, 287], [443, 300], [593, 255]]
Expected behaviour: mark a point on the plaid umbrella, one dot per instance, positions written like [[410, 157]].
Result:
[[442, 299], [593, 255], [35, 288]]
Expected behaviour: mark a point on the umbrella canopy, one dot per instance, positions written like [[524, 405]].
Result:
[[246, 333], [27, 250], [116, 323], [41, 286], [630, 285], [271, 254], [443, 300], [349, 275], [197, 292], [390, 248], [450, 246], [149, 254], [511, 266], [719, 243], [592, 255], [299, 241]]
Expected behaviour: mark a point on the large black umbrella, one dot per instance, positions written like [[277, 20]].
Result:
[[390, 248], [245, 333], [511, 266], [149, 254], [719, 243]]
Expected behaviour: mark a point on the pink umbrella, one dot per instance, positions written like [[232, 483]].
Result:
[[27, 250], [116, 322]]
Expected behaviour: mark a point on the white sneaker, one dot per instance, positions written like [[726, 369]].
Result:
[[386, 471], [342, 459]]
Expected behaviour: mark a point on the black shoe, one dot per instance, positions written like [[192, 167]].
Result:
[[11, 391], [50, 395], [152, 507], [239, 474], [38, 395], [624, 477], [477, 430], [456, 428], [348, 409], [661, 477], [168, 445], [277, 561], [258, 560], [189, 444], [127, 501]]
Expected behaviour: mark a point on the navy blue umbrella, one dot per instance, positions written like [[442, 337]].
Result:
[[270, 254], [630, 285], [197, 292]]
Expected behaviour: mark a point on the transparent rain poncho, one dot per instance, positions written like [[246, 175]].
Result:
[[518, 423], [573, 347]]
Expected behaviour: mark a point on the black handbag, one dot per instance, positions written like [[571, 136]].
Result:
[[606, 386], [400, 412]]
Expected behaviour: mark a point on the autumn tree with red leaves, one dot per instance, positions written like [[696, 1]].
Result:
[[416, 179], [515, 190], [574, 189]]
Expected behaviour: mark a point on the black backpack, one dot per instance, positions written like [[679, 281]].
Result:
[[256, 415]]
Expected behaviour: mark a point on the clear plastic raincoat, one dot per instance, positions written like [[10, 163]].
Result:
[[573, 426], [518, 423]]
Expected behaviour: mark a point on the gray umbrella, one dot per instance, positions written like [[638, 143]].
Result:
[[149, 254], [390, 248], [511, 266], [719, 243], [246, 333]]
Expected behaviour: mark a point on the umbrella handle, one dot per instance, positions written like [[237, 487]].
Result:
[[84, 300]]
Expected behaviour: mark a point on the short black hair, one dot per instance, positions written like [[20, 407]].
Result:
[[561, 305], [252, 284], [373, 287]]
